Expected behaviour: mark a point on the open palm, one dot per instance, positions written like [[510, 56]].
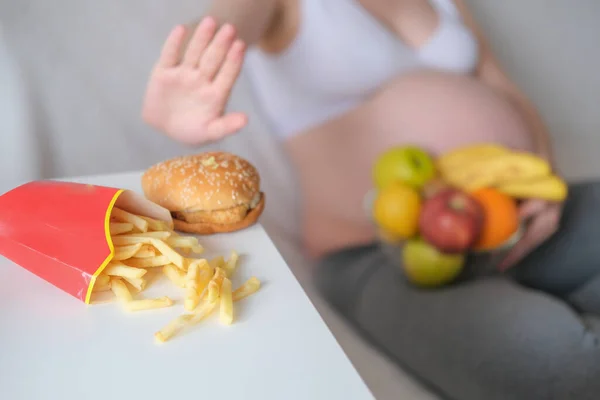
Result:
[[187, 95]]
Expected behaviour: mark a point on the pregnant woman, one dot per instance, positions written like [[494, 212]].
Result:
[[340, 81]]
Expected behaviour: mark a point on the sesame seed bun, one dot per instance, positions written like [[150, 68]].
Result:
[[206, 193]]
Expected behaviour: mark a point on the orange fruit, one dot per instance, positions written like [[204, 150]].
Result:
[[396, 210], [501, 218]]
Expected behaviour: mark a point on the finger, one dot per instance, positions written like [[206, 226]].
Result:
[[520, 249], [202, 36], [541, 228], [215, 53], [169, 56], [531, 207], [231, 68], [228, 124]]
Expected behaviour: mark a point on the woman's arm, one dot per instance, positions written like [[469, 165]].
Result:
[[490, 72], [251, 18]]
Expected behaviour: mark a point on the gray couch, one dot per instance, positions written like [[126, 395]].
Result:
[[84, 66]]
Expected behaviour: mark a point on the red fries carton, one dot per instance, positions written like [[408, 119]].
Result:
[[60, 231]]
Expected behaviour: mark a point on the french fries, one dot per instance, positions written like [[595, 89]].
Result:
[[149, 304], [143, 244], [123, 216], [120, 290], [226, 310], [192, 296]]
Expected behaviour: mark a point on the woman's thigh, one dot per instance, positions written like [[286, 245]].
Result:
[[482, 339], [570, 259]]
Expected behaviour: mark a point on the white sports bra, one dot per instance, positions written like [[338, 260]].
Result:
[[340, 56]]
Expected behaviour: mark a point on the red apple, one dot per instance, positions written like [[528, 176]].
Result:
[[451, 221]]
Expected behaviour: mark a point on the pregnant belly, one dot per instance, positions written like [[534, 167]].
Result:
[[436, 111]]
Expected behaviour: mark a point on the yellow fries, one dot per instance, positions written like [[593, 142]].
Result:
[[122, 240], [175, 275], [145, 251], [192, 297], [148, 262], [117, 228], [213, 292], [122, 270], [120, 290], [164, 248], [102, 280], [142, 244], [251, 286], [138, 284], [206, 274], [183, 321], [172, 328], [149, 304], [231, 263], [125, 252], [155, 225], [101, 287], [226, 311], [124, 216]]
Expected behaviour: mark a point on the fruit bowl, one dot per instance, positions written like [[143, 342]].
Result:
[[477, 263]]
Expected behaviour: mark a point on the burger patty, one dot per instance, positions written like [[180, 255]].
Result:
[[226, 216]]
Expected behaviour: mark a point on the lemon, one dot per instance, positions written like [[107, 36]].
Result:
[[396, 210]]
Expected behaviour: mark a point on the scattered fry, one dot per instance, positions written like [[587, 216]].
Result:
[[120, 290], [138, 284], [226, 310], [172, 328], [206, 273], [204, 311], [149, 304], [175, 275], [192, 297], [142, 244], [250, 287], [213, 292], [231, 263]]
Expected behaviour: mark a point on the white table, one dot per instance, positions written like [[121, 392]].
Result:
[[54, 347]]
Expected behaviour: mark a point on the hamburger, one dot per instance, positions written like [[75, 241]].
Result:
[[213, 192]]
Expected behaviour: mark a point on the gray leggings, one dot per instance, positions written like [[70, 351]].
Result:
[[530, 335]]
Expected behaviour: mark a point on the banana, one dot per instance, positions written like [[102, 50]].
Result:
[[469, 155], [550, 188], [496, 170]]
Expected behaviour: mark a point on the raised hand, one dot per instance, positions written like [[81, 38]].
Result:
[[188, 90]]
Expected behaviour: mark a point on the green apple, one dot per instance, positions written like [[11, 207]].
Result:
[[408, 164], [426, 266]]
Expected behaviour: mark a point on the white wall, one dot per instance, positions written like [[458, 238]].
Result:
[[552, 49]]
